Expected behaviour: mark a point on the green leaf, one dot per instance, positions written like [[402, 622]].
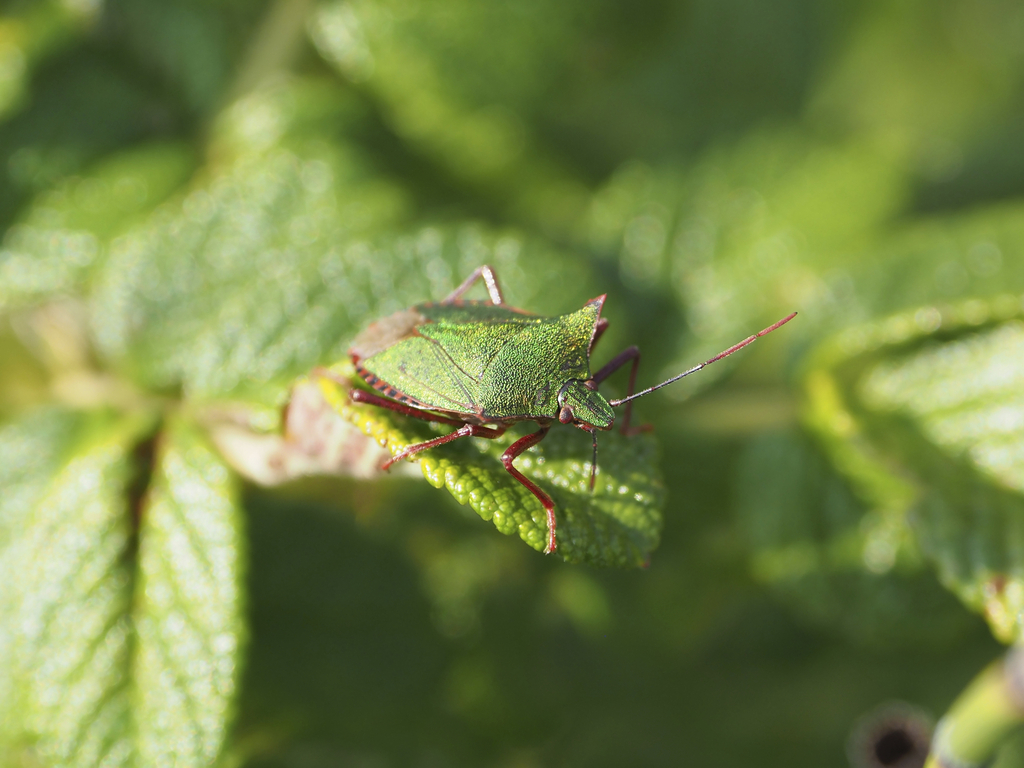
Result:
[[493, 92], [276, 263], [120, 646], [29, 36], [65, 233], [189, 610], [187, 44], [905, 78], [826, 554], [781, 222], [619, 524], [65, 628], [943, 258], [748, 234], [922, 412], [392, 50], [82, 108], [246, 277], [30, 454]]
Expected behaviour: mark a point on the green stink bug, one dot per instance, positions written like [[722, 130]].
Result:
[[482, 366]]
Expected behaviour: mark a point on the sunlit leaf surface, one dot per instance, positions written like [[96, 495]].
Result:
[[202, 202], [925, 417], [66, 566], [967, 395], [747, 235], [65, 233], [618, 524], [189, 612], [275, 265], [964, 397], [122, 645]]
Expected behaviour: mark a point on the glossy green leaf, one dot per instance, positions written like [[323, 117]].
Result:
[[923, 414], [121, 645], [618, 524], [189, 610]]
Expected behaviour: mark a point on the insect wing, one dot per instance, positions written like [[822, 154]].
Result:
[[419, 368], [474, 336]]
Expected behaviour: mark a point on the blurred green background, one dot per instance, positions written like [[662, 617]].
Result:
[[201, 200]]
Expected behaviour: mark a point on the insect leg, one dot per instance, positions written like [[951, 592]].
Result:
[[599, 329], [509, 456], [362, 396], [485, 273], [627, 355], [466, 430]]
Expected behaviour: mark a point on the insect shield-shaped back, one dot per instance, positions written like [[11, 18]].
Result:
[[481, 363]]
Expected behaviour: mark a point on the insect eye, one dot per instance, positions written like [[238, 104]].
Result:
[[565, 414]]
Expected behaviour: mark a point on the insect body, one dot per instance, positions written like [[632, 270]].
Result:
[[482, 366]]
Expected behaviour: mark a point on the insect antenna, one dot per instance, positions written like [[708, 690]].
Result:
[[719, 356], [593, 464]]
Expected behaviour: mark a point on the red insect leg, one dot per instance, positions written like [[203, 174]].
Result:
[[599, 329], [484, 273], [464, 430], [472, 430], [509, 456], [362, 396]]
